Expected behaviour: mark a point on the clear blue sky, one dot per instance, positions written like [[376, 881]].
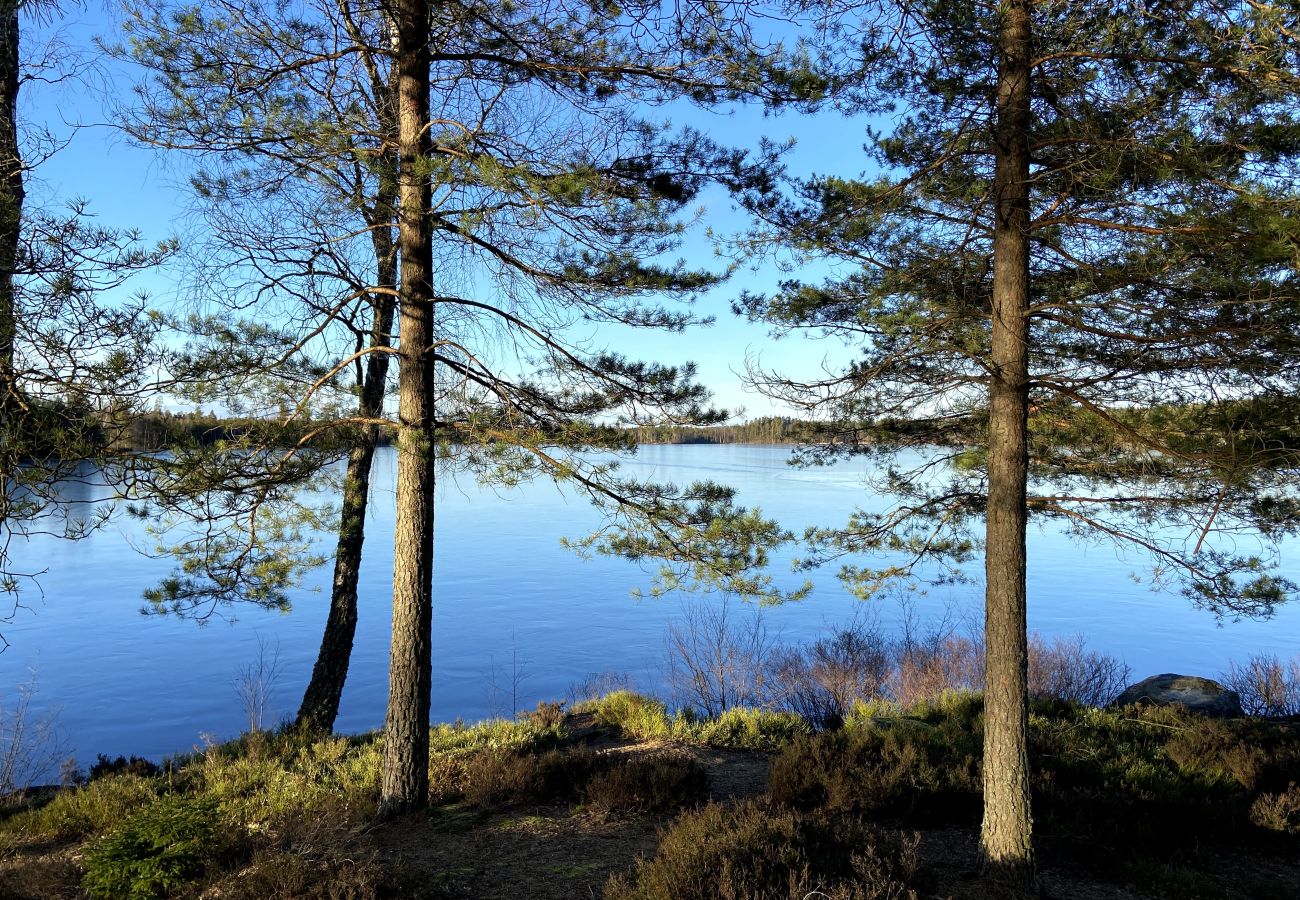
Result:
[[129, 187]]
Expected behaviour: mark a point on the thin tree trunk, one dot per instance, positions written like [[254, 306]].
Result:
[[405, 783], [320, 702], [11, 210], [1006, 836]]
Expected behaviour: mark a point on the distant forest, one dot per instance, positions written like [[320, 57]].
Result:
[[156, 430], [767, 430]]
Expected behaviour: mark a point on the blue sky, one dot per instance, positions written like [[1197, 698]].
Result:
[[130, 187]]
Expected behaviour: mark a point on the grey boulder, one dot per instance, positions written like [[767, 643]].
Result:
[[1197, 694]]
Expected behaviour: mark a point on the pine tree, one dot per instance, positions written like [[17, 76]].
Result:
[[545, 203], [1076, 262], [74, 356]]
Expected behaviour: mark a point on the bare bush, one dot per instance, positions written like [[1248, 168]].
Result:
[[821, 681], [1065, 669], [1267, 686], [936, 661], [718, 656], [505, 686], [30, 745], [255, 682]]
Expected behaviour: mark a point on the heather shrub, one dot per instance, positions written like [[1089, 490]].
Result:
[[647, 784], [1278, 812], [492, 779], [1213, 750], [1125, 788], [547, 715], [313, 873], [910, 771], [756, 852]]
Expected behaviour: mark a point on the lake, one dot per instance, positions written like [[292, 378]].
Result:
[[512, 608]]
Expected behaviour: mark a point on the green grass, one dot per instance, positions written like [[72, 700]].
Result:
[[641, 718]]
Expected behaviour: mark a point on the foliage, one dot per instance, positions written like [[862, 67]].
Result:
[[1279, 811], [1266, 685], [167, 845], [1160, 409], [718, 656], [1065, 670], [633, 715], [741, 728], [1115, 790], [105, 767], [905, 769], [77, 812], [756, 852], [654, 783]]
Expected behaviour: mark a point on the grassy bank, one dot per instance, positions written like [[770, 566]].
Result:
[[621, 797]]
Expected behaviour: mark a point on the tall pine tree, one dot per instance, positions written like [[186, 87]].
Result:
[[1076, 264]]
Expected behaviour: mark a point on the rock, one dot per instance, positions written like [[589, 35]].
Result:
[[1196, 694]]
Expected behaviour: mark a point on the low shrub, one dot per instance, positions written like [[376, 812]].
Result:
[[1266, 685], [1136, 786], [647, 784], [821, 681], [634, 716], [902, 769], [755, 852], [521, 736], [547, 715], [935, 664], [313, 875], [1212, 750], [1064, 669], [122, 766], [167, 845], [494, 779], [78, 812], [1278, 812], [268, 793], [740, 728]]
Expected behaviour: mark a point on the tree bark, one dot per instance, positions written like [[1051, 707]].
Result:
[[405, 782], [11, 211], [320, 702], [1006, 835]]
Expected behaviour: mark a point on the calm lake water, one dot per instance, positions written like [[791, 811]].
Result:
[[513, 607]]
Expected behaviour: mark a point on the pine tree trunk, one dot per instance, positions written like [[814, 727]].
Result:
[[11, 210], [405, 782], [320, 702], [1006, 836]]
